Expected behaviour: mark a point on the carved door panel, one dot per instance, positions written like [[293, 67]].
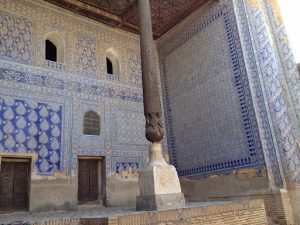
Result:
[[6, 185], [83, 180], [93, 180], [20, 186], [14, 178], [88, 180]]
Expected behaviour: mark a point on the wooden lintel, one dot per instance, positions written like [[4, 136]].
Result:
[[90, 157], [9, 159]]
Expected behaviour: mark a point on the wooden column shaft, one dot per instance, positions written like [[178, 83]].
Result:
[[152, 105]]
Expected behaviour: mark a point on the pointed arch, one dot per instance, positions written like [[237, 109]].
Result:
[[109, 66], [112, 62], [91, 123], [54, 47]]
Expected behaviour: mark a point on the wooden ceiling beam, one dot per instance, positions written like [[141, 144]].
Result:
[[75, 6], [132, 11], [127, 21]]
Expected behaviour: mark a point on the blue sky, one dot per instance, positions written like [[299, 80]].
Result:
[[290, 10]]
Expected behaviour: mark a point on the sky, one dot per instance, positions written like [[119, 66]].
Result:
[[290, 10]]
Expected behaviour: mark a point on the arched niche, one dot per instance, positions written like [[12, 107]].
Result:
[[54, 44], [112, 62], [91, 123]]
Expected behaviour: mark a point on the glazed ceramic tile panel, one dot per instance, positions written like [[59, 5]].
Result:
[[251, 67], [290, 77], [128, 125], [16, 37], [86, 55], [91, 144], [62, 93], [134, 64], [29, 124], [127, 167], [271, 74], [209, 110]]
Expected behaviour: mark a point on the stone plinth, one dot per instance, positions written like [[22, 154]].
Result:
[[159, 184]]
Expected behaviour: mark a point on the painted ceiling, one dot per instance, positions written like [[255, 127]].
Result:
[[124, 13]]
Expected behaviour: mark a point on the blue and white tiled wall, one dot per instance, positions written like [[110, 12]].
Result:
[[216, 129], [278, 80], [224, 63], [42, 104], [238, 116], [31, 126]]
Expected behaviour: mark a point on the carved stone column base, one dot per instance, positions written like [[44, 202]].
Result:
[[160, 202], [159, 184]]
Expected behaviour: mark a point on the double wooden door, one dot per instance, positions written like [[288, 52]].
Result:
[[14, 178], [88, 180]]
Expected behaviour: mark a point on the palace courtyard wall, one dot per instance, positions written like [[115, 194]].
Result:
[[224, 71], [43, 103], [230, 92]]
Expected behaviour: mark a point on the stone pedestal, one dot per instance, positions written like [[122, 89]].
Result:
[[159, 184]]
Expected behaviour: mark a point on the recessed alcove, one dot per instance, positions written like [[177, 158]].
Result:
[[112, 62], [91, 123], [54, 48]]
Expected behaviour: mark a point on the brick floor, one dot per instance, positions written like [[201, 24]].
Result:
[[82, 212]]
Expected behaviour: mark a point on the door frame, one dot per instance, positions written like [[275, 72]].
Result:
[[101, 176], [15, 158]]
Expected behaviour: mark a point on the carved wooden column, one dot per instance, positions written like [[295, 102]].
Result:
[[156, 192], [152, 106]]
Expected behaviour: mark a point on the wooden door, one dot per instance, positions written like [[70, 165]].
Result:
[[20, 186], [6, 185], [14, 178], [88, 180]]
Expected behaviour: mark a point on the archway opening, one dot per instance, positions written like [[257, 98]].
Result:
[[109, 66], [51, 51], [54, 48], [112, 62]]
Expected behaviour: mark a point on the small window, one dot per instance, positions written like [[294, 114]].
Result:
[[51, 51], [109, 66], [54, 48], [91, 123], [112, 62]]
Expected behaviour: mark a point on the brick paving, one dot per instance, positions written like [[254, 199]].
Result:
[[81, 212]]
